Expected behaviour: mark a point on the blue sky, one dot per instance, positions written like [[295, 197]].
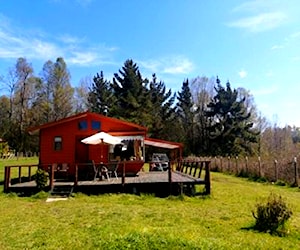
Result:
[[253, 44]]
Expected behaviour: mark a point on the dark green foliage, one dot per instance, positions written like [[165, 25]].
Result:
[[272, 216], [162, 110], [280, 183], [41, 179], [100, 99], [231, 130], [186, 117], [132, 96]]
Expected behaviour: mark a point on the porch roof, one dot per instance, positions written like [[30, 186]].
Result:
[[162, 143]]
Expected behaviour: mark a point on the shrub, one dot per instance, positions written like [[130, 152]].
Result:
[[280, 183], [41, 179], [272, 216]]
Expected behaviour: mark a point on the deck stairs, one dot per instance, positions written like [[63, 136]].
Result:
[[61, 191]]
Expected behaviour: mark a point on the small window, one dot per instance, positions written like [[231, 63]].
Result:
[[82, 125], [57, 143], [96, 125]]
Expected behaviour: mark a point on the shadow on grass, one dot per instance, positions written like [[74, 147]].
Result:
[[278, 232]]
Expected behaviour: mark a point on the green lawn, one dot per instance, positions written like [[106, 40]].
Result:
[[121, 221]]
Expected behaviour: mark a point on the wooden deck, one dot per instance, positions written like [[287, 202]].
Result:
[[182, 180]]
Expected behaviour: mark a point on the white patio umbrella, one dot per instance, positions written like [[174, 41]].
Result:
[[102, 137]]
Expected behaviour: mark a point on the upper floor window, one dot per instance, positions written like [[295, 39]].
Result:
[[96, 125], [82, 125], [57, 143]]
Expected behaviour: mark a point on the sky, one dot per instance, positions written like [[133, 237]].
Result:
[[252, 44]]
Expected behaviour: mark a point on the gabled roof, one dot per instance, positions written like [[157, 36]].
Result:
[[162, 143], [37, 129]]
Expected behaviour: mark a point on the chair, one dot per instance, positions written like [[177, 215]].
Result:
[[95, 169], [100, 170], [112, 167]]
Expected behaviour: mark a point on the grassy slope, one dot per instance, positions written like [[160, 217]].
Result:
[[145, 222]]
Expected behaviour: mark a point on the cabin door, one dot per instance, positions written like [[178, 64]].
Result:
[[81, 150]]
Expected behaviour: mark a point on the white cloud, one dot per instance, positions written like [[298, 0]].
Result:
[[15, 42], [243, 73], [169, 65], [260, 22], [274, 47]]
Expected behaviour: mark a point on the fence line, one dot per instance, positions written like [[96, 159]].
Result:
[[271, 170]]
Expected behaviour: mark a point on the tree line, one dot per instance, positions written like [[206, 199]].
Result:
[[208, 117]]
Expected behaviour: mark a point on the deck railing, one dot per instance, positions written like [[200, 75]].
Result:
[[16, 173], [194, 168], [191, 168]]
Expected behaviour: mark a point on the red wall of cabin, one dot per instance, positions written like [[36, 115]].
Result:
[[70, 132]]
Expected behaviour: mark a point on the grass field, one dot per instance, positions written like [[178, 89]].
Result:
[[220, 221]]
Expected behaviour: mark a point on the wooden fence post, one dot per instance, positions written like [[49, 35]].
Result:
[[216, 168], [296, 172], [276, 170], [247, 161], [236, 165], [259, 166], [228, 163]]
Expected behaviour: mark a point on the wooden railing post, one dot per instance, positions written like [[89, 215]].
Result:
[[123, 176], [170, 177], [76, 175], [6, 179], [29, 173], [51, 176], [20, 174], [207, 177]]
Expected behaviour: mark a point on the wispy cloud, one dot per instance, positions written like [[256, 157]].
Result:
[[16, 42], [279, 46], [260, 22], [259, 16], [288, 42], [172, 65]]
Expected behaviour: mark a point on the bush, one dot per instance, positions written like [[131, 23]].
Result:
[[272, 216], [41, 179]]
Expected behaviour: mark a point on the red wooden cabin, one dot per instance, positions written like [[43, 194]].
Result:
[[60, 141]]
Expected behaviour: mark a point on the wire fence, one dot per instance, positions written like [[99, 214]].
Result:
[[272, 170]]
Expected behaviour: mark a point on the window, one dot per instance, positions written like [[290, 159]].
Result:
[[96, 125], [82, 125], [57, 143]]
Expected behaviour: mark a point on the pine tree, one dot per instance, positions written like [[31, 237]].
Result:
[[186, 117], [162, 112], [100, 99], [132, 96], [231, 130]]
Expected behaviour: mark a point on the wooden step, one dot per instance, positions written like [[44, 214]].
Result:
[[61, 191]]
